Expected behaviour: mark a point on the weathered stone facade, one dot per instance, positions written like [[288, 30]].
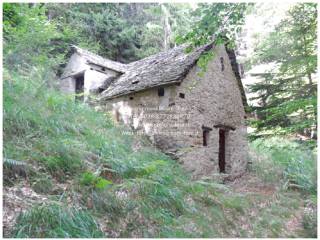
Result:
[[200, 121], [95, 70]]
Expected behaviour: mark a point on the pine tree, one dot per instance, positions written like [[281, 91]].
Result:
[[287, 94]]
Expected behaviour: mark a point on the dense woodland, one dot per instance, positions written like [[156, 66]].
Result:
[[68, 171]]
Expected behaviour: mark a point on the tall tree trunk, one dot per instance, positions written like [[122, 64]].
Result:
[[167, 27], [311, 92]]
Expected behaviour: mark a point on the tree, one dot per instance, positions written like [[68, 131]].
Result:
[[120, 31], [218, 21], [287, 94], [28, 37], [165, 23]]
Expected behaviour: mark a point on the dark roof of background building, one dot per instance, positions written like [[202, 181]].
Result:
[[98, 60]]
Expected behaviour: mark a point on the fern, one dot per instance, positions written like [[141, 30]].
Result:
[[14, 168], [12, 163]]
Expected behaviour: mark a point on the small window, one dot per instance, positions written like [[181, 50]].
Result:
[[117, 115], [100, 90], [103, 69], [181, 95], [131, 98], [205, 137], [222, 64], [160, 92]]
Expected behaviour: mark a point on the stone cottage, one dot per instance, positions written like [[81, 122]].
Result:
[[195, 115]]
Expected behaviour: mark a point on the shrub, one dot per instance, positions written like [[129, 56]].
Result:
[[89, 179]]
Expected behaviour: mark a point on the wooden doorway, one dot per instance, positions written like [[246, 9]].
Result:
[[222, 150], [79, 87]]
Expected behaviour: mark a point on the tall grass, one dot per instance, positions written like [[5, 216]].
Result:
[[41, 125], [295, 162], [46, 128], [54, 221]]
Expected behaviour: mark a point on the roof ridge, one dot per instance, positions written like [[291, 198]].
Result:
[[99, 60]]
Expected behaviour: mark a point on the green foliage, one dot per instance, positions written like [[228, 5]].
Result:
[[121, 31], [287, 94], [216, 21], [29, 36], [298, 163], [166, 22], [89, 179], [54, 221], [45, 126]]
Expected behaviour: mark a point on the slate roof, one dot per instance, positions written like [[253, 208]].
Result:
[[160, 69], [98, 60]]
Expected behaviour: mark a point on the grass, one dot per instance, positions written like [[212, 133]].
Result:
[[54, 221], [134, 193], [296, 163]]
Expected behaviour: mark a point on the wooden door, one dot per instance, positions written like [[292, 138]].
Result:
[[222, 150]]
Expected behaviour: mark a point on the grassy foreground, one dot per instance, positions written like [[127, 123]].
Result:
[[100, 183]]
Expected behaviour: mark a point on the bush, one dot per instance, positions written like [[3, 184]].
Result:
[[89, 179], [54, 221]]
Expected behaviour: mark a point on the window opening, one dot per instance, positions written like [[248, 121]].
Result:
[[160, 92], [222, 64], [79, 87], [100, 90], [205, 137], [117, 116]]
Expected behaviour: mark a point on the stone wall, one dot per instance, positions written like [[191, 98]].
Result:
[[94, 76], [176, 127]]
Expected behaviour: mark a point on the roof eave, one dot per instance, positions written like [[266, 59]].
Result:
[[140, 90]]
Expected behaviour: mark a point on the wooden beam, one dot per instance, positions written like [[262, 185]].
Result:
[[225, 127]]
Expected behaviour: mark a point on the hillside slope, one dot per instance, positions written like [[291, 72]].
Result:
[[69, 172]]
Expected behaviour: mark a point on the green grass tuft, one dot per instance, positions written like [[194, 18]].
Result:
[[54, 221], [293, 163]]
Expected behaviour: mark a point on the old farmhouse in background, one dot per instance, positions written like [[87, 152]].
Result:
[[195, 116]]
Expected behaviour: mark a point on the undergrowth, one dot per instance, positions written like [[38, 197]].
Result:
[[294, 162], [293, 165]]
